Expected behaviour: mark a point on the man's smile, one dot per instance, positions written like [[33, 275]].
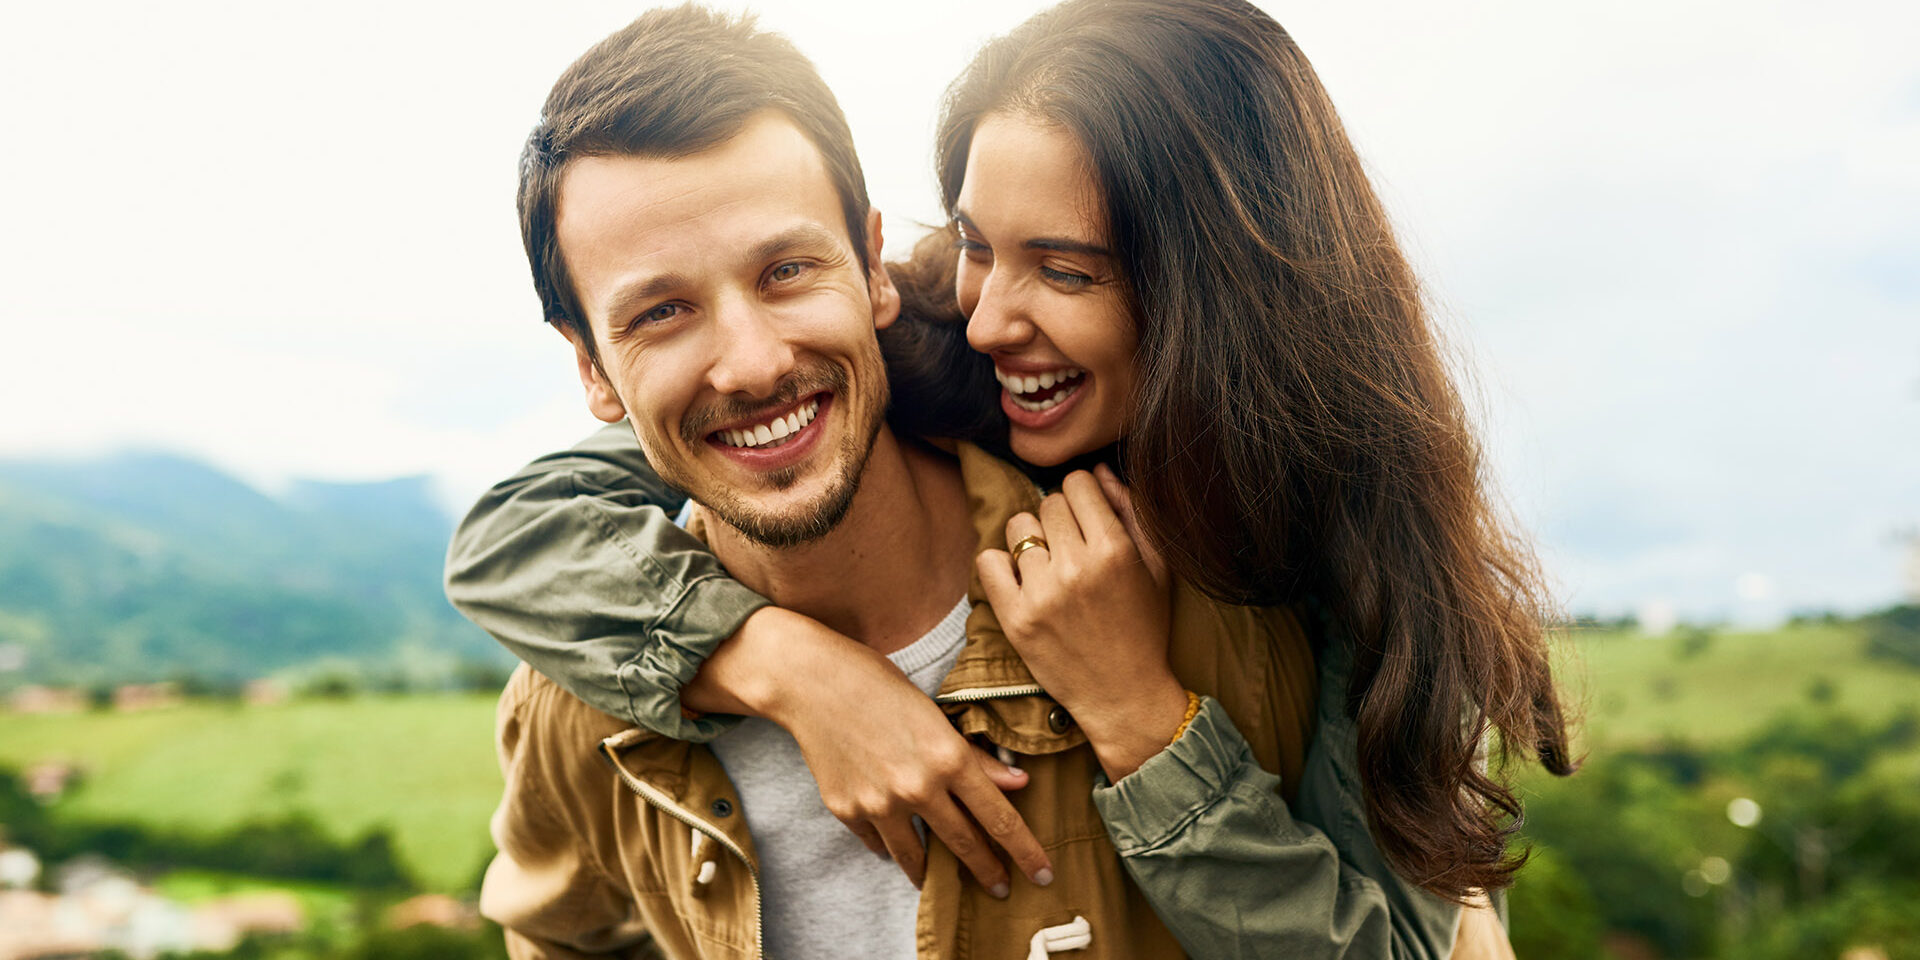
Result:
[[777, 438], [771, 430]]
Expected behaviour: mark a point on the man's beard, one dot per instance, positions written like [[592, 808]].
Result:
[[813, 520]]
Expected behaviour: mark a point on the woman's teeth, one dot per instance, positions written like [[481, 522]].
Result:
[[774, 432], [1036, 392]]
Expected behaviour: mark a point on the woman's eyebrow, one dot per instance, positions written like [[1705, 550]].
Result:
[[1056, 244], [1064, 245]]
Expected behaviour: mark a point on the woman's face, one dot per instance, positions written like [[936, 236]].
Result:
[[1041, 292]]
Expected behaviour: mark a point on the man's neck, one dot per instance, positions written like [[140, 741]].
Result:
[[890, 570]]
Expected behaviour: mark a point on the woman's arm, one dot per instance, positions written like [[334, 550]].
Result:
[[574, 566], [1233, 871], [1229, 867]]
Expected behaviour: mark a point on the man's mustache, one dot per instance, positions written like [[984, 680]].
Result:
[[695, 426]]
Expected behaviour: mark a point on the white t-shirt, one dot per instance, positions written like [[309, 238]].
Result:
[[823, 893]]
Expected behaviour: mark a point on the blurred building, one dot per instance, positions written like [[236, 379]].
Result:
[[36, 699]]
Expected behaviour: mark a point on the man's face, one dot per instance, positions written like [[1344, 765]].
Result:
[[734, 323]]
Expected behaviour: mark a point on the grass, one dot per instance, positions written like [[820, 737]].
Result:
[[1712, 687], [421, 766]]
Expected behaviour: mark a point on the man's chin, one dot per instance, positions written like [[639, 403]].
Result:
[[790, 526]]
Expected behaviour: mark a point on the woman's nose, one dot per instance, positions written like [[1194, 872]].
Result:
[[999, 319]]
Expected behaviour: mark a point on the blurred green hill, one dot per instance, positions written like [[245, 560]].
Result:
[[141, 567]]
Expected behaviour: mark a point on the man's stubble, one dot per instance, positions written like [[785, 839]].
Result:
[[814, 520]]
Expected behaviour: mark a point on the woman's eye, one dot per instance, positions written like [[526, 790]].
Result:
[[968, 247], [1065, 277]]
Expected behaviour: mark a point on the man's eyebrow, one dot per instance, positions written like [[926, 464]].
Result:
[[1057, 244], [625, 300], [800, 235]]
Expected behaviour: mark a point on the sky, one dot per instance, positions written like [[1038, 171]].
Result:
[[1674, 248]]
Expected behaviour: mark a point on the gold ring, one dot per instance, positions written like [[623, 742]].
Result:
[[1028, 542]]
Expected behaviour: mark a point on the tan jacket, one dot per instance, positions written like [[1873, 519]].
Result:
[[617, 841]]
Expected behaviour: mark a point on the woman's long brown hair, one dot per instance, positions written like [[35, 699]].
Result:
[[1295, 432]]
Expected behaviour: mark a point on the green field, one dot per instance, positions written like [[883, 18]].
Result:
[[422, 766], [1713, 687]]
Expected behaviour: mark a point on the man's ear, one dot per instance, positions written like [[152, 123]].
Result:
[[601, 398], [880, 288]]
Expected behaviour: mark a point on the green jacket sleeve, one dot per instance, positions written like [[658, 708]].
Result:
[[574, 565], [1234, 872]]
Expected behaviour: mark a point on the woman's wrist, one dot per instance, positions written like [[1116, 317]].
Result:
[[765, 667], [1128, 732]]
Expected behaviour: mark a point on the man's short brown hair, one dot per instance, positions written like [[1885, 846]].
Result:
[[671, 83]]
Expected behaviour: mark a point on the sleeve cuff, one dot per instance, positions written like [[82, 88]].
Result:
[[709, 611], [1176, 785]]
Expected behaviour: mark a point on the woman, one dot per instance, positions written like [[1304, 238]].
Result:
[[1167, 243]]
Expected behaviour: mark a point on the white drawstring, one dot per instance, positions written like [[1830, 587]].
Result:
[[1067, 936], [707, 867]]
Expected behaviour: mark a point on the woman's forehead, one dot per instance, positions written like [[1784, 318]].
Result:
[[1031, 177]]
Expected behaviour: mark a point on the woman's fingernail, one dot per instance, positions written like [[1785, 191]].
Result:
[[1000, 890], [1043, 876]]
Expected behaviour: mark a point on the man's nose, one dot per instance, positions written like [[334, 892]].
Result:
[[1000, 318], [753, 355]]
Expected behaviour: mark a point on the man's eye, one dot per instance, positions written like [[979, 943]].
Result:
[[661, 313], [785, 272]]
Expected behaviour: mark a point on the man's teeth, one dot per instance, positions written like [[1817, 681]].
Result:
[[1018, 384], [774, 432]]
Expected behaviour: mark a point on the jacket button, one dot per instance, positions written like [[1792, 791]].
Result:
[[722, 808], [1058, 719]]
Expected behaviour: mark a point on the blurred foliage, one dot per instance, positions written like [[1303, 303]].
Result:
[[1641, 842], [292, 847], [1895, 635], [368, 943]]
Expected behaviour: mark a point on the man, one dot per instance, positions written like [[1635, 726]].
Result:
[[699, 233]]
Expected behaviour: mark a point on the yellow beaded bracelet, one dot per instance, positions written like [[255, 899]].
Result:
[[1193, 710]]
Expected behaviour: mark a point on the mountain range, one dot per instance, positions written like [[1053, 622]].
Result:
[[147, 566]]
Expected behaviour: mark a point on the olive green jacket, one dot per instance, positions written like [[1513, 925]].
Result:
[[574, 566]]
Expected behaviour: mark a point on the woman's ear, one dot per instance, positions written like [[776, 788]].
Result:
[[880, 289], [602, 400]]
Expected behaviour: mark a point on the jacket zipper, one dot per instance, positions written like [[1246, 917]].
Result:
[[977, 694], [667, 806]]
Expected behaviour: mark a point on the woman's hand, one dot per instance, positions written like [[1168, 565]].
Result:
[[880, 749], [1091, 613]]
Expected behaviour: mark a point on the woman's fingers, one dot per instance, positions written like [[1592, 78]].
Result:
[[1033, 559], [991, 809], [1121, 500], [1091, 507], [997, 578], [968, 843], [1058, 525], [903, 844], [869, 836], [1004, 775]]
